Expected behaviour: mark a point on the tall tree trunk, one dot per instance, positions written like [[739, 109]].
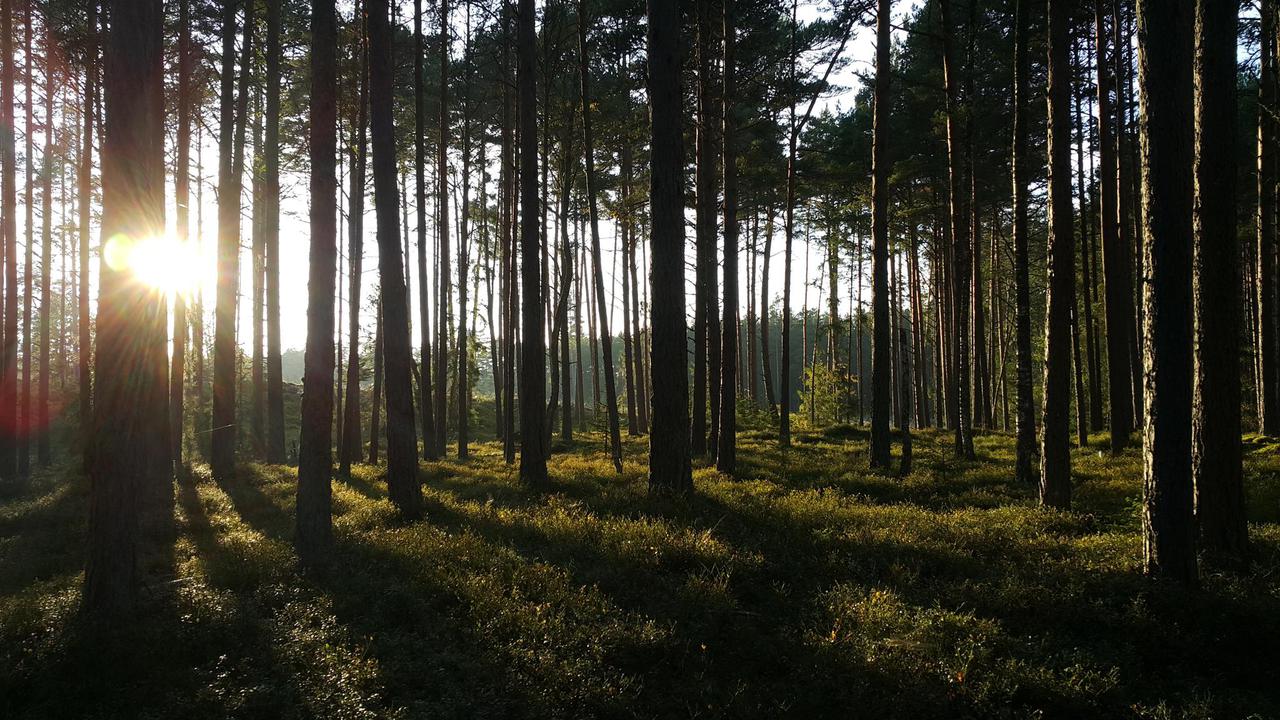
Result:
[[726, 453], [47, 160], [9, 250], [350, 439], [705, 233], [375, 404], [1115, 268], [464, 240], [533, 379], [597, 274], [880, 389], [124, 429], [24, 421], [766, 363], [784, 372], [959, 244], [1024, 465], [402, 451], [271, 242], [1168, 148], [669, 463], [230, 167], [429, 449], [1055, 458], [182, 191], [1269, 396], [84, 193], [315, 452], [258, 408], [1219, 500], [442, 228]]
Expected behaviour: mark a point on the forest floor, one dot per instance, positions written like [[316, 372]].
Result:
[[808, 588]]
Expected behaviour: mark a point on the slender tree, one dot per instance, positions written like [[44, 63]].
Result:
[[1268, 132], [669, 464], [1024, 467], [880, 389], [315, 451], [44, 454], [271, 241], [230, 137], [1055, 444], [402, 451], [726, 453], [597, 274], [9, 250], [1165, 60], [429, 450], [349, 442], [84, 193], [1219, 500], [123, 428], [959, 235], [533, 355]]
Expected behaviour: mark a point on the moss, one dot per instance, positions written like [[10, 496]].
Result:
[[807, 586]]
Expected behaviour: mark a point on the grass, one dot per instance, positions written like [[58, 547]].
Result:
[[810, 587]]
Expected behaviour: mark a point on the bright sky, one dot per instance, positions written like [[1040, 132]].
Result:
[[175, 270]]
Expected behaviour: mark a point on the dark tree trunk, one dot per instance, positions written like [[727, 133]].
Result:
[[375, 397], [880, 389], [669, 464], [1168, 149], [315, 451], [705, 235], [726, 453], [597, 274], [230, 164], [1269, 393], [182, 191], [429, 450], [1055, 459], [766, 363], [124, 431], [41, 426], [1024, 466], [1115, 266], [464, 239], [533, 360], [350, 438], [443, 290], [84, 193], [402, 451], [9, 250], [271, 243], [960, 246], [1219, 500]]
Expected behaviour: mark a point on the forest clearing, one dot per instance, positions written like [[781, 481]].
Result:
[[640, 359], [803, 592]]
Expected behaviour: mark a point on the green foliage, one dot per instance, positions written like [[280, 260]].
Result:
[[807, 587], [828, 396]]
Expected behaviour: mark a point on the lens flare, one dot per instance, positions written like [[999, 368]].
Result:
[[162, 262]]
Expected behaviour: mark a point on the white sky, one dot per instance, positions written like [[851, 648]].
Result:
[[294, 229]]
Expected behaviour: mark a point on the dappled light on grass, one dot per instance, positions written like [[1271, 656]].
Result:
[[806, 587]]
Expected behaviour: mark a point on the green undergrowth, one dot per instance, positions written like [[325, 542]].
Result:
[[807, 587]]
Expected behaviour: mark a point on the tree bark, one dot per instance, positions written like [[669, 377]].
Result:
[[1055, 458], [1219, 499], [124, 430], [314, 530], [271, 229], [960, 246], [402, 451], [880, 389], [1165, 51], [1024, 465], [84, 193], [350, 439], [429, 450], [533, 389], [669, 462], [726, 453], [597, 274]]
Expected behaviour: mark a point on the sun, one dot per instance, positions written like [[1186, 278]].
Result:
[[162, 262]]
